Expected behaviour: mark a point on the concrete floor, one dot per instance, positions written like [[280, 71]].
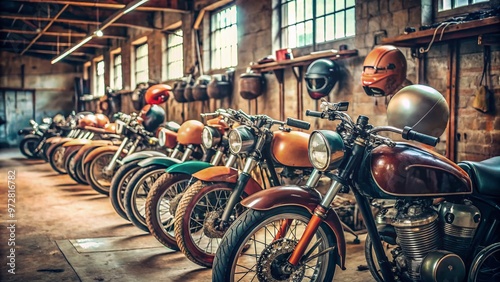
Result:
[[69, 232]]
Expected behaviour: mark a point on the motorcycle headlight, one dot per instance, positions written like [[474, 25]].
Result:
[[162, 137], [241, 139], [326, 149], [32, 122], [47, 120], [210, 137], [120, 125]]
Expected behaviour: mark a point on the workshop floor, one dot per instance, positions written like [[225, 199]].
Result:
[[69, 232]]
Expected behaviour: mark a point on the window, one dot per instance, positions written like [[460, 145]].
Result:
[[141, 64], [330, 19], [452, 4], [99, 85], [173, 62], [224, 38], [117, 72]]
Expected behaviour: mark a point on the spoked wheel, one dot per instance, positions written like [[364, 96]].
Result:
[[28, 146], [486, 265], [98, 179], [253, 250], [71, 166], [137, 192], [161, 205], [57, 159], [197, 220], [119, 184]]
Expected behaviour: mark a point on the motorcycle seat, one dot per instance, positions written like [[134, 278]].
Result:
[[485, 175]]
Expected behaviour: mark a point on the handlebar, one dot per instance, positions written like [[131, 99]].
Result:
[[410, 134], [310, 113], [298, 123]]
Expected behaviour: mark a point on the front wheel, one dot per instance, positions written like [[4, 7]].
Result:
[[161, 205], [56, 159], [252, 250], [28, 146], [98, 179], [137, 191]]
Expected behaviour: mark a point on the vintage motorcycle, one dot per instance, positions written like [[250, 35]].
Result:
[[166, 192], [32, 136], [444, 225], [210, 205]]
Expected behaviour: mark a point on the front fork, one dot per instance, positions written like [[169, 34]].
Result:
[[112, 164]]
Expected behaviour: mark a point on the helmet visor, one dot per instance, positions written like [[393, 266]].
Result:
[[316, 84]]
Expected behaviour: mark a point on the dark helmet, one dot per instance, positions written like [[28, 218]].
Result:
[[152, 116], [200, 88], [157, 94], [421, 107], [384, 71], [321, 76]]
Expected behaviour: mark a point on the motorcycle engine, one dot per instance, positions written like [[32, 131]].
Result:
[[433, 243]]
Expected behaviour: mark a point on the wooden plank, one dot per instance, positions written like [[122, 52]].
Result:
[[451, 32], [155, 7]]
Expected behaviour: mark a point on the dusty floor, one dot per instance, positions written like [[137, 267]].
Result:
[[69, 232]]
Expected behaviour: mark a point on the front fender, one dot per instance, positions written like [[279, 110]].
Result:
[[301, 197], [164, 161], [53, 139], [226, 174], [77, 142], [86, 148], [189, 167], [54, 145], [70, 150], [99, 151], [140, 156], [32, 136]]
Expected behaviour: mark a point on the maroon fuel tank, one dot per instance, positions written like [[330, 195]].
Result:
[[410, 171]]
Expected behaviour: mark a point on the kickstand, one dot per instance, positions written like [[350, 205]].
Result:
[[349, 230]]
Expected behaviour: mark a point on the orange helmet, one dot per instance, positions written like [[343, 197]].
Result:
[[384, 70], [102, 120], [157, 94]]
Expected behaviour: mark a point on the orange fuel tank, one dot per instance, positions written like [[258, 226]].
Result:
[[290, 148], [190, 132]]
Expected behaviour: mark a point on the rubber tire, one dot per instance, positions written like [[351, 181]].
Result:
[[135, 218], [155, 196], [182, 218], [69, 169], [370, 260], [80, 169], [90, 178], [52, 163], [116, 191], [26, 142], [244, 226]]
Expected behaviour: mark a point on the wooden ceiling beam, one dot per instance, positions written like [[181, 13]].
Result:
[[46, 43], [72, 21], [52, 33], [108, 5], [47, 26], [48, 52]]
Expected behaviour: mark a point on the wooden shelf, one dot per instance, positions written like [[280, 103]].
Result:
[[303, 60], [453, 31]]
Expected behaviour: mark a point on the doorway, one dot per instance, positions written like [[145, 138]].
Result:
[[17, 107]]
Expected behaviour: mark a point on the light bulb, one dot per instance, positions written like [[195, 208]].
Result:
[[99, 33]]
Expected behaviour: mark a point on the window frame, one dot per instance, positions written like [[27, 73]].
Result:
[[167, 53], [137, 58], [284, 41], [212, 34], [114, 71], [99, 78], [443, 15]]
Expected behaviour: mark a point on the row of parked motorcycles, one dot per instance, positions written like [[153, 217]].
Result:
[[258, 199]]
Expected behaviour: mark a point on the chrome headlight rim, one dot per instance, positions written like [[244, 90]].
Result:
[[210, 137], [246, 139], [330, 139], [162, 137]]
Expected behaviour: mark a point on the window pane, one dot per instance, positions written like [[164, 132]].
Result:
[[309, 33], [320, 30], [300, 35], [118, 60], [339, 25], [300, 10], [224, 38], [292, 33], [339, 5], [461, 3], [329, 28], [320, 7], [330, 6], [309, 9], [350, 22], [349, 3]]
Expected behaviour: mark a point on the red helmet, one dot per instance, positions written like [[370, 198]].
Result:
[[157, 94], [384, 70]]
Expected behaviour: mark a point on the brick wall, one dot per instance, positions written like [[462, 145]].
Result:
[[257, 32]]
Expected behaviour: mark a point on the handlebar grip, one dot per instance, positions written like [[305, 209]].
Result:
[[410, 134], [298, 123], [314, 114]]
